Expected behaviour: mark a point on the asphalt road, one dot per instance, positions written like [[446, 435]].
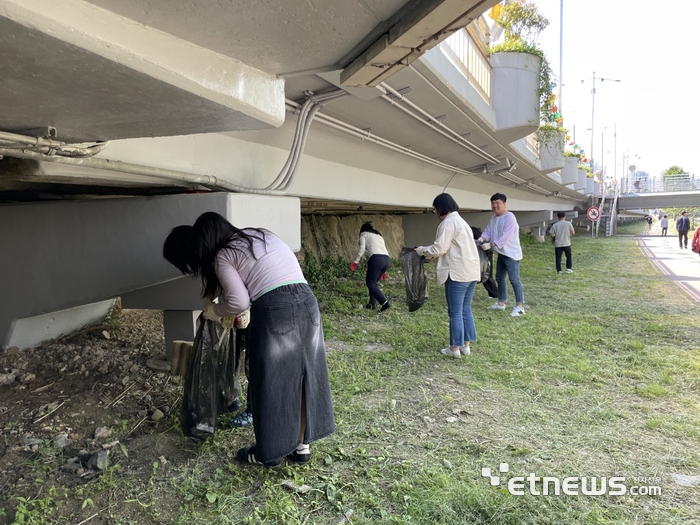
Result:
[[680, 265]]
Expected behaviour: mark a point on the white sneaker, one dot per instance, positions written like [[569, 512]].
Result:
[[517, 312], [465, 350], [450, 353], [569, 270], [559, 273], [496, 306]]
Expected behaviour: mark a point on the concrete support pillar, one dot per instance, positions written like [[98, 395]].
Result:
[[538, 233], [179, 325]]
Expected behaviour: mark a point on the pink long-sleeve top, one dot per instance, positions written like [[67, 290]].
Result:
[[244, 278], [503, 232]]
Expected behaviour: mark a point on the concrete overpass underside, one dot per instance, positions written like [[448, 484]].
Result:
[[133, 110]]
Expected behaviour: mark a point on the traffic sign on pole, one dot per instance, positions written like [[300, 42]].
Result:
[[593, 213]]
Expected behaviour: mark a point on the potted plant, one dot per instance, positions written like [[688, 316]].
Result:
[[569, 173], [583, 171], [522, 79], [551, 140]]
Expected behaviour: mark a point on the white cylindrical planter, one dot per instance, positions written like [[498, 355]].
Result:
[[515, 81], [552, 153], [569, 173], [581, 180], [590, 185]]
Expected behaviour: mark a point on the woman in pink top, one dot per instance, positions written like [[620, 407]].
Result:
[[289, 385]]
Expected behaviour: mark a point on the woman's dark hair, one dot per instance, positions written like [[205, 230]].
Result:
[[444, 204], [213, 233], [498, 197], [180, 249], [367, 227]]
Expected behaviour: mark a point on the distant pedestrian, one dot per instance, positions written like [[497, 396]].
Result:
[[649, 220], [377, 264], [504, 233], [664, 226], [683, 227], [561, 232]]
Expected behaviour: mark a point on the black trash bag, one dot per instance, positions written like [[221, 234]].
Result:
[[485, 256], [415, 278], [485, 265], [209, 382]]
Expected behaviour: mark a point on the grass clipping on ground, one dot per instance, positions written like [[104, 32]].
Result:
[[600, 378]]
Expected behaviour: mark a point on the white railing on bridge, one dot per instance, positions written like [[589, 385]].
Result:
[[466, 54], [681, 182]]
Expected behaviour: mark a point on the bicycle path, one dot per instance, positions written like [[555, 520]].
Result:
[[680, 265]]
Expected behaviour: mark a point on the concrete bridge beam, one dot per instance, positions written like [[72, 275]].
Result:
[[62, 256]]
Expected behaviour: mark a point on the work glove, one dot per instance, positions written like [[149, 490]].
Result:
[[209, 314], [353, 266], [242, 320], [383, 277], [486, 246]]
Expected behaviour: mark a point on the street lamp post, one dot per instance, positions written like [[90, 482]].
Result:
[[593, 107]]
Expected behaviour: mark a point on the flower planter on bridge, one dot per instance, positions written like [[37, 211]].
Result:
[[569, 173], [581, 179], [590, 185], [515, 79], [552, 152]]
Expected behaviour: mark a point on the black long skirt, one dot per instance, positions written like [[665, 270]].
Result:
[[287, 361]]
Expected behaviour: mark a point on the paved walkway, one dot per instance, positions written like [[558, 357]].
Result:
[[680, 265]]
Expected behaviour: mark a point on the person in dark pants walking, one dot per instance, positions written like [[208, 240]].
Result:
[[664, 226], [683, 227], [377, 265], [561, 233]]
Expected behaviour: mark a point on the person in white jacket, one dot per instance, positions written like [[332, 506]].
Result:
[[458, 268], [378, 262]]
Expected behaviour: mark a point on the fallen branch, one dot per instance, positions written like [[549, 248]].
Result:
[[47, 415], [87, 519], [120, 396], [137, 425], [42, 388]]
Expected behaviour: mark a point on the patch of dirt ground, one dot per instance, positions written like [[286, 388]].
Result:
[[70, 407]]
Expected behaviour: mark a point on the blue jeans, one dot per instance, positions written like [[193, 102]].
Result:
[[511, 267], [459, 308]]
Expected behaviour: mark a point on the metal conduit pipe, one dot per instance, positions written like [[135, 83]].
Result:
[[365, 135], [48, 146], [32, 141], [305, 108], [427, 123], [313, 103], [456, 137], [208, 181], [320, 102], [448, 99]]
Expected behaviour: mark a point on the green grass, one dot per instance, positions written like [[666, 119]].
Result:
[[601, 377]]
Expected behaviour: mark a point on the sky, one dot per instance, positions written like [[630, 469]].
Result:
[[651, 48]]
